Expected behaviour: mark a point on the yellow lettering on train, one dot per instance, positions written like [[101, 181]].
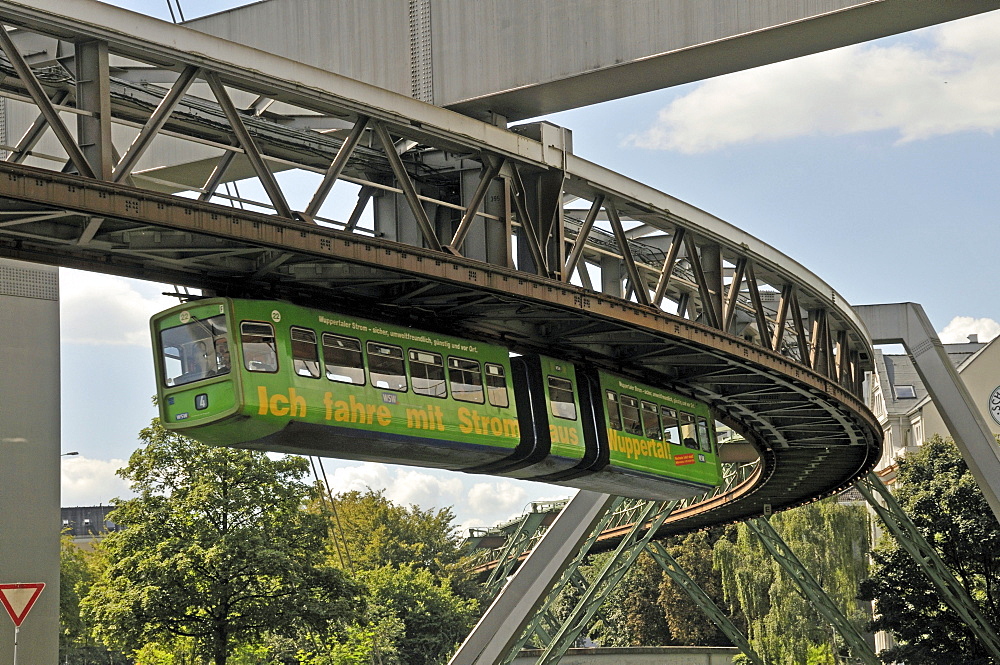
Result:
[[465, 421], [471, 421], [565, 435], [417, 419], [430, 417], [292, 404], [384, 415], [353, 411], [635, 447]]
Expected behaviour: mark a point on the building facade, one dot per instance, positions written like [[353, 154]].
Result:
[[908, 415]]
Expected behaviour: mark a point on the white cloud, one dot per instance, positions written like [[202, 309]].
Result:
[[961, 327], [920, 89], [92, 482], [104, 309]]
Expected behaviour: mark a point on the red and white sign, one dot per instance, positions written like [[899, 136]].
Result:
[[18, 599]]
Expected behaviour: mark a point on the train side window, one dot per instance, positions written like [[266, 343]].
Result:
[[305, 352], [671, 430], [496, 386], [651, 421], [259, 353], [343, 360], [466, 380], [688, 433], [427, 373], [630, 415], [385, 362], [614, 413], [561, 398], [704, 436]]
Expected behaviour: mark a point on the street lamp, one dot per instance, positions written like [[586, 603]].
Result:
[[75, 452]]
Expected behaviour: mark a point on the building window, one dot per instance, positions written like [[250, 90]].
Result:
[[905, 392]]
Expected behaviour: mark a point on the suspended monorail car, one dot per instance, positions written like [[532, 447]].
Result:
[[275, 376]]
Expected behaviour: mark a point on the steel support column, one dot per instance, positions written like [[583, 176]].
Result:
[[543, 626], [93, 129], [600, 588], [506, 618], [907, 324], [811, 590], [701, 599], [923, 553], [517, 545]]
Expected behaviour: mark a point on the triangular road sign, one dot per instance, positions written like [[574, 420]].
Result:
[[18, 599]]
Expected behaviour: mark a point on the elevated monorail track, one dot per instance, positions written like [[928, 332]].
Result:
[[457, 226]]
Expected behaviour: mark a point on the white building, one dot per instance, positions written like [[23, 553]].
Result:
[[908, 415]]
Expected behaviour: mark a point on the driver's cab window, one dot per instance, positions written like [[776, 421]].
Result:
[[194, 351]]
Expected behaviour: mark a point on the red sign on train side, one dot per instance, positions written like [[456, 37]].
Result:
[[18, 599]]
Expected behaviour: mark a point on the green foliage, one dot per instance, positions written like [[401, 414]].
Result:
[[155, 653], [434, 617], [421, 600], [75, 577], [216, 547], [630, 616], [687, 622], [377, 533], [359, 645], [830, 539], [78, 569], [939, 494]]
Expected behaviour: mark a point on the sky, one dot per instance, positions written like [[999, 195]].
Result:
[[875, 166]]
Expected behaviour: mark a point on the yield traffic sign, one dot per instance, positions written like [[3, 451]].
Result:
[[18, 599]]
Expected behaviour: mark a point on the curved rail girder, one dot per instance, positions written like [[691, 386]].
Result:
[[815, 436], [789, 380]]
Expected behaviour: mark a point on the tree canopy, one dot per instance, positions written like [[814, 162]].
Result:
[[939, 494], [216, 547], [830, 539], [421, 601]]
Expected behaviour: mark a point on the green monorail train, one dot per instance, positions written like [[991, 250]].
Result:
[[275, 376]]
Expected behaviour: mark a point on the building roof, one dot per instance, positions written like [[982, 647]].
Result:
[[87, 521], [902, 389]]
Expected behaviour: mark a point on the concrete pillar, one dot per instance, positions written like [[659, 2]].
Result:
[[29, 453]]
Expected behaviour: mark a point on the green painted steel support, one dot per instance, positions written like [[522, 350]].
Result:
[[570, 576], [702, 600], [517, 544], [910, 539], [597, 592], [812, 591]]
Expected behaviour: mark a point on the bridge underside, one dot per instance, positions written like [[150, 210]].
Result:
[[524, 58], [810, 445], [450, 224]]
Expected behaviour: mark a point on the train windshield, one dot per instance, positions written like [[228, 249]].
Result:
[[194, 351]]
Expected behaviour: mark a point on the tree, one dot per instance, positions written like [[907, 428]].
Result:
[[630, 616], [688, 623], [435, 619], [941, 497], [216, 547], [420, 600], [830, 540], [375, 532]]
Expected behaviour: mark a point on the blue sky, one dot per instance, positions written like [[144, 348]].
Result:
[[875, 166]]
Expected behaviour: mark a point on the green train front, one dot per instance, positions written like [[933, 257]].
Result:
[[276, 376]]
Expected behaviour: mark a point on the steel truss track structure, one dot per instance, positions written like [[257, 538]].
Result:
[[452, 225]]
